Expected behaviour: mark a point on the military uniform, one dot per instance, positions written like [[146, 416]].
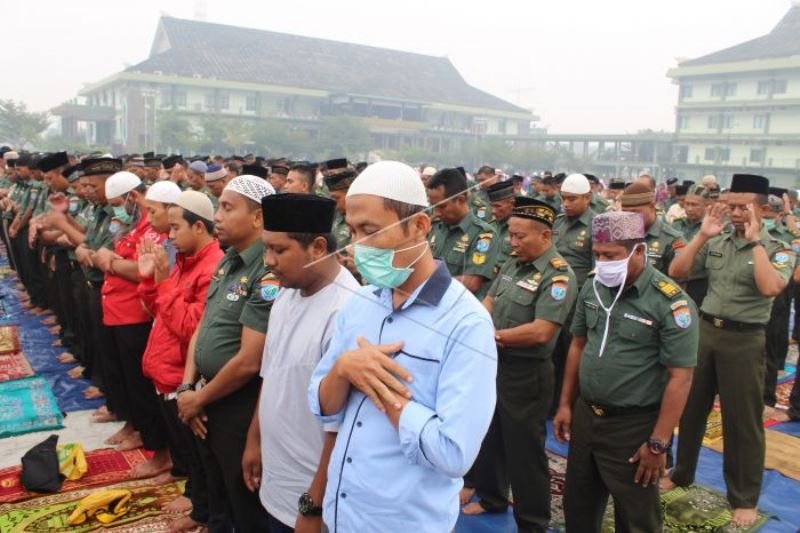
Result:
[[240, 295], [513, 450], [468, 248], [505, 250], [573, 238], [554, 202], [653, 327], [481, 205], [731, 364], [599, 204], [341, 232], [697, 282], [663, 242], [36, 280]]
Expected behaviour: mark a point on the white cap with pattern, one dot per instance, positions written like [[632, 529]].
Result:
[[391, 180], [251, 187]]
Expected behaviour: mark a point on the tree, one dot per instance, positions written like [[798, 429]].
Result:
[[19, 126], [237, 133], [343, 136], [212, 138], [275, 138], [175, 133]]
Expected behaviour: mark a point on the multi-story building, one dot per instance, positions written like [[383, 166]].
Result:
[[739, 108], [199, 69]]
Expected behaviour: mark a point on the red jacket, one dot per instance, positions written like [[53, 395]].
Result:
[[177, 304], [121, 303]]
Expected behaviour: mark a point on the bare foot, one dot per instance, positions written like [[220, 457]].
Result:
[[38, 311], [473, 509], [131, 443], [781, 416], [102, 419], [67, 358], [160, 462], [54, 330], [769, 412], [466, 495], [50, 321], [27, 305], [165, 478], [56, 343], [666, 483], [125, 432], [76, 373], [179, 505], [182, 524], [744, 517]]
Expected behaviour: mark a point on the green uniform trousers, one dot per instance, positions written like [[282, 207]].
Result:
[[598, 466], [777, 342], [513, 450], [729, 363]]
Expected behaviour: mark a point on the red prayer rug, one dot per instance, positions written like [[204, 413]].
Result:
[[105, 466]]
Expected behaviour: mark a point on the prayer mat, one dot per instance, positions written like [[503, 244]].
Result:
[[28, 405], [783, 453], [558, 474], [14, 366], [9, 340], [713, 432], [49, 513], [105, 466]]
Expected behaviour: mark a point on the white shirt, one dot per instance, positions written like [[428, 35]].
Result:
[[299, 331]]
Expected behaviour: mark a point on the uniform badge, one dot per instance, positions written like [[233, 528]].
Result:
[[483, 244], [558, 291], [221, 272], [433, 239], [481, 213], [269, 290], [682, 317], [232, 297], [243, 280], [465, 238], [781, 259], [667, 288], [796, 246], [478, 258]]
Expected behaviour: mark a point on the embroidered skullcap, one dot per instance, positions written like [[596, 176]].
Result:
[[251, 187], [615, 226]]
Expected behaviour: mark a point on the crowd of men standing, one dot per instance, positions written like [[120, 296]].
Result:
[[344, 343]]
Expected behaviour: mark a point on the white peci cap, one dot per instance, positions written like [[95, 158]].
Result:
[[576, 184], [163, 191], [251, 187], [391, 180], [429, 171], [121, 183], [197, 203]]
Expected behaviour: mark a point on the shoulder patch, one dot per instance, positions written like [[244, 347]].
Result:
[[559, 264], [782, 258], [682, 316], [269, 288], [667, 288], [483, 243], [486, 235], [560, 278]]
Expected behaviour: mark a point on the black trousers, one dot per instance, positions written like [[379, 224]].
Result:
[[796, 299], [598, 466], [697, 289], [138, 391], [185, 452], [4, 235], [107, 371], [777, 344], [23, 260], [228, 421], [513, 451], [36, 281], [82, 344]]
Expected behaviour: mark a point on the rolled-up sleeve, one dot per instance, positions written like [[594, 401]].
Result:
[[448, 438]]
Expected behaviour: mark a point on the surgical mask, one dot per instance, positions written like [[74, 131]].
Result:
[[376, 265], [121, 212], [769, 224], [611, 274]]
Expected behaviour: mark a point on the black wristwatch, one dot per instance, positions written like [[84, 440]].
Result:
[[307, 507], [657, 446], [183, 387]]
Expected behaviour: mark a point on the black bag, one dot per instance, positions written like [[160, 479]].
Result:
[[40, 471]]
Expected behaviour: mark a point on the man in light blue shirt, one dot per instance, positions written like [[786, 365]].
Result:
[[410, 371]]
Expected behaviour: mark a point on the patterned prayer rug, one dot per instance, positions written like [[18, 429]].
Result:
[[105, 466], [9, 340], [49, 513], [790, 371], [782, 393], [14, 366], [27, 405]]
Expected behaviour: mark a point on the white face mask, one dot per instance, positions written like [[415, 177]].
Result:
[[611, 274]]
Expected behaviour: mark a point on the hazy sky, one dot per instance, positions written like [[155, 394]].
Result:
[[583, 66]]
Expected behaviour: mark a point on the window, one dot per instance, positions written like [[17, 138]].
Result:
[[757, 155], [683, 122], [710, 154], [717, 89], [713, 122], [727, 121], [724, 154], [166, 99], [224, 101], [686, 90], [250, 103], [767, 87], [759, 122], [180, 99], [210, 104], [730, 89]]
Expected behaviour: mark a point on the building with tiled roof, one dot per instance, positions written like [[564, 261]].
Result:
[[739, 108], [199, 69]]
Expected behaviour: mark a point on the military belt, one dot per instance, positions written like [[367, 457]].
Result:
[[724, 323], [609, 410]]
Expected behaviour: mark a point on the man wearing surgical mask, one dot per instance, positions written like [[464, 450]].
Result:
[[409, 374], [628, 374]]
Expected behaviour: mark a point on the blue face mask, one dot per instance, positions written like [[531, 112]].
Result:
[[121, 213], [769, 224], [376, 265]]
